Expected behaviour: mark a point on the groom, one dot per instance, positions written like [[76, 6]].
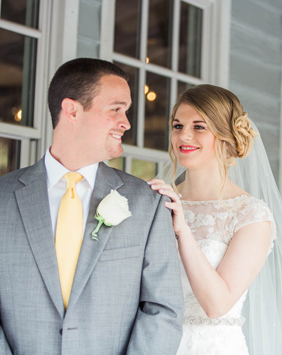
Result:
[[62, 292]]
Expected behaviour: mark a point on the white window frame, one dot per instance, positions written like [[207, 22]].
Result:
[[214, 66], [29, 135], [56, 44]]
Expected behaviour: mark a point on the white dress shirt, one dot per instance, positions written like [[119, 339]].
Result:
[[57, 185]]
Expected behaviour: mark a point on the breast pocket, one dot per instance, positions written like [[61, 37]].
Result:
[[120, 253]]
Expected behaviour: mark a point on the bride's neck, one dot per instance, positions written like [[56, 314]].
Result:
[[201, 185]]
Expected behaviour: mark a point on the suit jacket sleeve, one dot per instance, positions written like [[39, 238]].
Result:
[[158, 324], [4, 347]]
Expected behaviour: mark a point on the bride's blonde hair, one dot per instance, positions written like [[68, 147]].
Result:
[[226, 119]]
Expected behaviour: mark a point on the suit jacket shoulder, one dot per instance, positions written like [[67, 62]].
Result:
[[17, 179], [140, 187], [28, 174], [135, 189]]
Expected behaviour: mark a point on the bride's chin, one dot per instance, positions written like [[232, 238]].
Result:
[[184, 163]]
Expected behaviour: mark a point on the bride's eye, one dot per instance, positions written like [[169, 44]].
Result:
[[178, 126], [199, 128]]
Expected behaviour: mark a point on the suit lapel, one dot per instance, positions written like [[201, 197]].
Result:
[[106, 180], [33, 204]]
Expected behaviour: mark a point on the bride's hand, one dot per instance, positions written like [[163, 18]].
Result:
[[179, 223]]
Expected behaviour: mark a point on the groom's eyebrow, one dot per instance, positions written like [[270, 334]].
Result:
[[123, 103]]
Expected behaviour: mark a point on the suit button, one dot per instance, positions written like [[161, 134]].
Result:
[[61, 331]]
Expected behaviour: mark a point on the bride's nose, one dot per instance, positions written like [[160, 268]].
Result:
[[187, 133]]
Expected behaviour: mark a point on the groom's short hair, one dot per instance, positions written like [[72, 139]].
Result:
[[78, 80]]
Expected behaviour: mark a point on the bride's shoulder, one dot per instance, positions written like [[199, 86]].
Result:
[[247, 207], [246, 203], [233, 191]]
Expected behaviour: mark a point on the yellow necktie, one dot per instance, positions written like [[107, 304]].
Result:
[[69, 234]]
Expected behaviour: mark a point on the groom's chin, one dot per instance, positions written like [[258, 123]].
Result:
[[115, 153]]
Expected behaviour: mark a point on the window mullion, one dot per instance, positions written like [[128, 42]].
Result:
[[70, 30], [44, 62], [175, 35], [206, 38], [175, 52], [142, 72], [107, 30], [144, 30], [141, 107], [127, 60], [19, 131], [128, 164], [24, 158], [20, 29]]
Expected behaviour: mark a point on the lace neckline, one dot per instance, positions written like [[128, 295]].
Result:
[[227, 201]]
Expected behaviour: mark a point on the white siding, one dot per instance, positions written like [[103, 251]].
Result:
[[255, 67]]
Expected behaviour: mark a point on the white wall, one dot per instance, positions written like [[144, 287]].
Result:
[[255, 67]]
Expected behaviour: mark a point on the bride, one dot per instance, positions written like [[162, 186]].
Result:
[[224, 232]]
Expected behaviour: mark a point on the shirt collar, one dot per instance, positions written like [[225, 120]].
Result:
[[55, 171]]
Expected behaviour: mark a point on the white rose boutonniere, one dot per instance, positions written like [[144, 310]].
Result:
[[111, 211]]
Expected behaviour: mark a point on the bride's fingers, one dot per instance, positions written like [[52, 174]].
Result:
[[171, 194], [157, 185], [164, 187], [156, 181], [172, 206]]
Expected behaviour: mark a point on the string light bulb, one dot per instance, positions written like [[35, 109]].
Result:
[[151, 96], [18, 116]]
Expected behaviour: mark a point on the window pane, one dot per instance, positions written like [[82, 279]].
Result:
[[145, 170], [181, 87], [17, 67], [9, 155], [156, 111], [160, 32], [130, 135], [117, 163], [190, 40], [24, 12], [127, 27]]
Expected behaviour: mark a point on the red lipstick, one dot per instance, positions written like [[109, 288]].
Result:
[[187, 148]]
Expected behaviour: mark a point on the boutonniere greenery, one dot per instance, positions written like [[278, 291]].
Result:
[[111, 211]]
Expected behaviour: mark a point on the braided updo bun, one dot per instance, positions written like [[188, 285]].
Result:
[[243, 134]]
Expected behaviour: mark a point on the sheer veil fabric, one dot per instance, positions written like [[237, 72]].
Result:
[[263, 306]]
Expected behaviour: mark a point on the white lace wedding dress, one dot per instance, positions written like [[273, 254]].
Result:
[[213, 226]]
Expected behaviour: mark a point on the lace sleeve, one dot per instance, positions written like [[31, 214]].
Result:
[[256, 211]]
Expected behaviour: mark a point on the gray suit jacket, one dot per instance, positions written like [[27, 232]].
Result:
[[126, 296]]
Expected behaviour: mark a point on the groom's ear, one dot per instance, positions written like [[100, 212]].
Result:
[[71, 109]]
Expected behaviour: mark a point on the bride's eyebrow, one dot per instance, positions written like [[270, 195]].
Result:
[[199, 122]]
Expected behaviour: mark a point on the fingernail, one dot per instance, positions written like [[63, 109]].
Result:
[[161, 190], [149, 182], [154, 186]]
